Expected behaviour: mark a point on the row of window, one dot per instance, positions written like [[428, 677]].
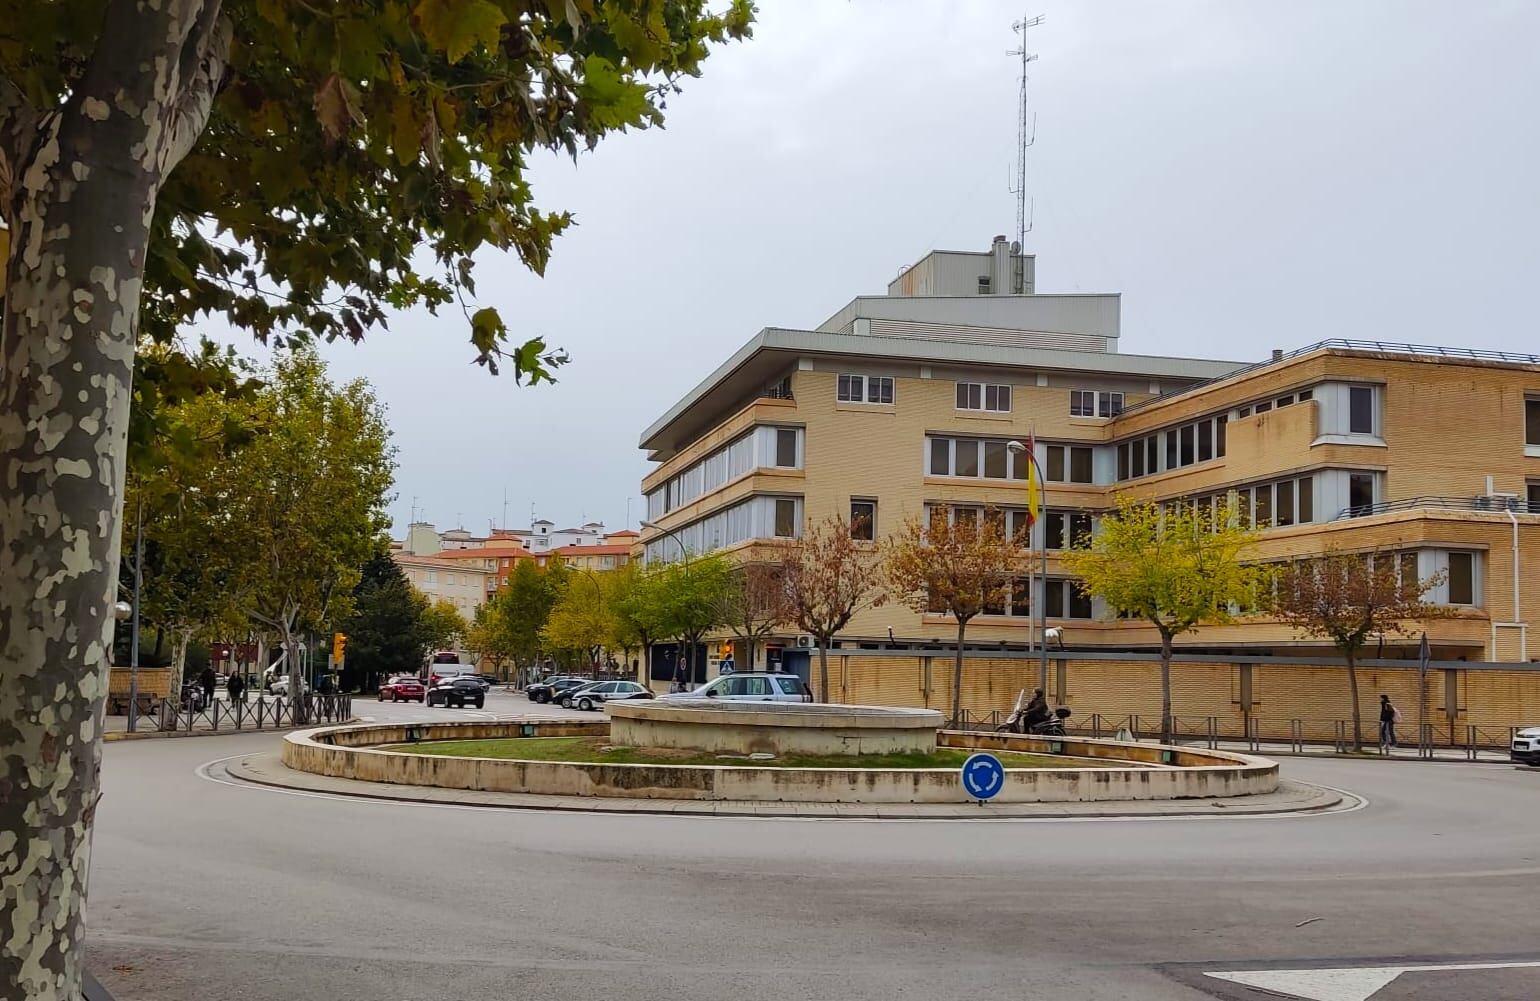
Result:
[[759, 517], [1094, 403], [764, 446], [1265, 505], [865, 389], [990, 397], [987, 397], [1460, 570], [993, 459], [1286, 400], [1064, 599], [1181, 446]]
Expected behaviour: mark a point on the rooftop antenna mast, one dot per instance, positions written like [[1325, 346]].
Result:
[[1026, 134]]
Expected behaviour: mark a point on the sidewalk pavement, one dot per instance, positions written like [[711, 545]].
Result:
[[1284, 749]]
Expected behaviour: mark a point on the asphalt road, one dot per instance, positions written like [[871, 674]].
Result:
[[204, 890]]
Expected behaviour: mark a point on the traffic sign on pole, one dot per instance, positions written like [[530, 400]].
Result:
[[983, 776]]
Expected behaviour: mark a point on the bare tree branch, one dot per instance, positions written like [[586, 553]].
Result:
[[205, 58]]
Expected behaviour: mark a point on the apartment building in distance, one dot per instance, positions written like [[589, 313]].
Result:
[[904, 403]]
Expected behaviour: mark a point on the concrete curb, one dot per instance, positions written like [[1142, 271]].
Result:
[[267, 769]]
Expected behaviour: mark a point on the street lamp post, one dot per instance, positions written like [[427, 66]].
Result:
[[1042, 595], [684, 557]]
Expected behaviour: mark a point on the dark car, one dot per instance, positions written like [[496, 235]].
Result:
[[405, 687], [457, 692], [550, 689], [588, 697]]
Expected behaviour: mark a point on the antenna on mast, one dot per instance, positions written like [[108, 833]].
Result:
[[1026, 134]]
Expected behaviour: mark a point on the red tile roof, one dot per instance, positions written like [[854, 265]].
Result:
[[629, 533], [615, 550], [484, 553]]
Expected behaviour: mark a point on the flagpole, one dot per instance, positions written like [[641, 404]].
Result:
[[1038, 491]]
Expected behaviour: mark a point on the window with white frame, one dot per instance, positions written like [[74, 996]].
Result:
[[993, 459], [1460, 584], [985, 396], [1068, 529], [1067, 599], [1532, 422], [1094, 403], [1067, 463], [865, 389], [863, 519]]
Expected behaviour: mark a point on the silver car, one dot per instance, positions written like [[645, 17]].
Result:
[[751, 686]]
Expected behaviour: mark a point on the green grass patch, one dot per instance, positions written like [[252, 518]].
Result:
[[598, 750]]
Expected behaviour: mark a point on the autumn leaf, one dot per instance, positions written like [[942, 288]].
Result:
[[457, 26], [336, 107]]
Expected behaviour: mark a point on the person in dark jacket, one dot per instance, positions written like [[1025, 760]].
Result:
[[207, 680], [1389, 716], [236, 686], [1036, 712]]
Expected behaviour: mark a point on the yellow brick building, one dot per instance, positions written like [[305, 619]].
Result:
[[904, 402]]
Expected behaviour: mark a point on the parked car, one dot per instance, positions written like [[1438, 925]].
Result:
[[750, 686], [405, 688], [1526, 746], [589, 697], [550, 689], [280, 685], [457, 693]]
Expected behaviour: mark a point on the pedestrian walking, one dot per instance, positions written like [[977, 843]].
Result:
[[1389, 717], [207, 680], [236, 687]]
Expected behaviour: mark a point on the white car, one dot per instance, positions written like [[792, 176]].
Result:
[[750, 686], [1526, 746], [280, 686]]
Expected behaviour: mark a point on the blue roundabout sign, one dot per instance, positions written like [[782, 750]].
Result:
[[983, 776]]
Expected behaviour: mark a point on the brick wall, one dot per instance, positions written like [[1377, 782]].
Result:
[[1318, 695]]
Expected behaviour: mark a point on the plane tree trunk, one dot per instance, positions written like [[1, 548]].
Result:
[[78, 184]]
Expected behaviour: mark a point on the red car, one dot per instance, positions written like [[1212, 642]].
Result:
[[405, 688]]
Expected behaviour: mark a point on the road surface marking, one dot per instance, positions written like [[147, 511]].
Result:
[[1345, 983]]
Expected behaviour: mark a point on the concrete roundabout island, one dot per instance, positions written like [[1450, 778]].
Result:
[[769, 756]]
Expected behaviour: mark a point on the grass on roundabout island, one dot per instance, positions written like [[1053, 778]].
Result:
[[597, 750]]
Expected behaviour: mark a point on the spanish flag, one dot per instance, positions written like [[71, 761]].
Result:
[[1034, 491]]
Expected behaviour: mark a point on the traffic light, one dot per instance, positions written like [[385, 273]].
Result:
[[339, 646]]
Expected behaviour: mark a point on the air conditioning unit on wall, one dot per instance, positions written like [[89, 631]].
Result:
[[804, 642]]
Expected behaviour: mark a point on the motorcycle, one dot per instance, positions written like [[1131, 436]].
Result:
[[1050, 726]]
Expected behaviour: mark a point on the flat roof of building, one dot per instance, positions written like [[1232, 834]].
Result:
[[774, 348]]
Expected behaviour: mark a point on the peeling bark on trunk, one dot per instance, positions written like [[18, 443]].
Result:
[[77, 189], [180, 641]]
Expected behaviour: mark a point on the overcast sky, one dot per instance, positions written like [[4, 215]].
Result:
[[1248, 175]]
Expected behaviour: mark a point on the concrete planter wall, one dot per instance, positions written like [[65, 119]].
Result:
[[346, 752], [773, 727]]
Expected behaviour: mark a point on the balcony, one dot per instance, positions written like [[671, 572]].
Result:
[[1493, 503]]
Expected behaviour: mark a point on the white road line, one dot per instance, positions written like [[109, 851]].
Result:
[[205, 772], [1349, 983]]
